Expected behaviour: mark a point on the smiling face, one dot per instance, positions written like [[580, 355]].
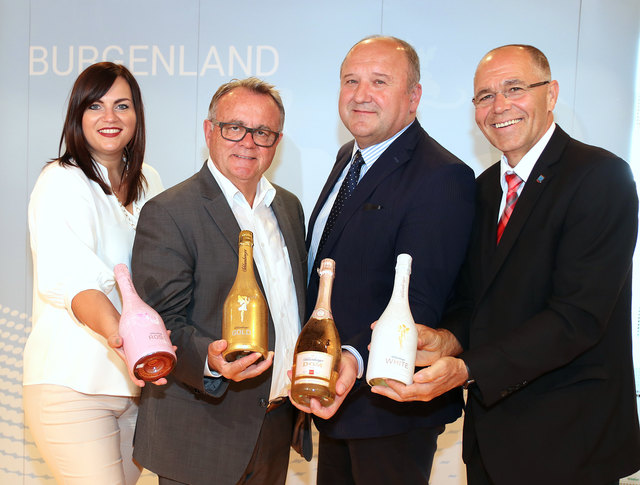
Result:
[[375, 100], [243, 162], [514, 126], [109, 123]]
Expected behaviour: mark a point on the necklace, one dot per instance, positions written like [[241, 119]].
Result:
[[127, 215]]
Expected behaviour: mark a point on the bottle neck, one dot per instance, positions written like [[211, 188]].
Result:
[[127, 290], [322, 309], [401, 286], [245, 260]]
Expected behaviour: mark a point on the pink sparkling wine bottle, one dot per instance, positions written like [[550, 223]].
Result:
[[146, 345]]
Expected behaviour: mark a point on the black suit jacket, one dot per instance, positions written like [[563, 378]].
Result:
[[417, 198], [545, 317], [195, 429]]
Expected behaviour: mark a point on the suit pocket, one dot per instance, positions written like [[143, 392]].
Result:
[[371, 207]]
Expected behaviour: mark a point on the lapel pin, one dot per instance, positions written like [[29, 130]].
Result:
[[540, 179]]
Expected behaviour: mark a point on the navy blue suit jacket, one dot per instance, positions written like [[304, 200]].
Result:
[[417, 198]]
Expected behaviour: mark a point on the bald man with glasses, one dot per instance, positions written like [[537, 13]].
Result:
[[540, 333]]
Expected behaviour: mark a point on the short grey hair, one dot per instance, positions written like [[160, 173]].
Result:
[[254, 85]]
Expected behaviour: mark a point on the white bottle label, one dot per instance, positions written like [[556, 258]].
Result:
[[313, 367], [393, 352]]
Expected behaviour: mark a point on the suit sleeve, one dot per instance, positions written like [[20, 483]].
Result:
[[434, 229], [592, 265], [163, 265], [436, 232]]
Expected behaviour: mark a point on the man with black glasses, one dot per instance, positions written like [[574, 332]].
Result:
[[216, 421]]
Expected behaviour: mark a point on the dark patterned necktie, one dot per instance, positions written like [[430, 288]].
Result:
[[346, 189], [513, 182]]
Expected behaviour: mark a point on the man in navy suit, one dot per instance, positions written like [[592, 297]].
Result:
[[542, 325], [411, 196]]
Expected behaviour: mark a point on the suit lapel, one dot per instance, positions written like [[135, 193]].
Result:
[[344, 157], [396, 155], [488, 204], [538, 181], [217, 207]]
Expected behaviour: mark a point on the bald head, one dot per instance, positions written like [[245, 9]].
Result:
[[413, 61], [514, 97], [539, 61]]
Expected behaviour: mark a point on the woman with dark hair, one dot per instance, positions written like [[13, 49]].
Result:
[[80, 400]]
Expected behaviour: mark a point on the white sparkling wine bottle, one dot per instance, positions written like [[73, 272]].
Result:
[[394, 341]]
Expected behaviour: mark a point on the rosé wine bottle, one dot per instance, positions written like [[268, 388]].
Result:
[[146, 345], [316, 359]]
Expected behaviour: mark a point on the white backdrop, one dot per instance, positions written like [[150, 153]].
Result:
[[182, 51]]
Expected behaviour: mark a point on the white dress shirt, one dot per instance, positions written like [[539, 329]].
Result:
[[78, 234], [523, 168], [271, 258]]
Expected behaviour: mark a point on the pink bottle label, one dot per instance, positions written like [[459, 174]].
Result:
[[141, 328], [143, 335]]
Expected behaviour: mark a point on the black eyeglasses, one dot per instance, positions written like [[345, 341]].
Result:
[[487, 98], [235, 132]]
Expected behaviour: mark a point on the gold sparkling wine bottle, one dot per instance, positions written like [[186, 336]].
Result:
[[394, 341], [317, 354], [245, 313]]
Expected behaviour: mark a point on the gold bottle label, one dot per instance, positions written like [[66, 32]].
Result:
[[403, 330], [243, 303]]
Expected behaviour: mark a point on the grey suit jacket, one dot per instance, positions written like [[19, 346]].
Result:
[[197, 429]]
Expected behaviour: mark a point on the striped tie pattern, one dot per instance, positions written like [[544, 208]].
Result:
[[346, 189], [513, 182]]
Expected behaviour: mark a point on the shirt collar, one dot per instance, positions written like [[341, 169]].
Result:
[[265, 192], [372, 153], [525, 165]]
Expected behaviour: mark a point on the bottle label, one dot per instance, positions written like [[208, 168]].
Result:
[[313, 367], [244, 257], [243, 303], [393, 352], [321, 314]]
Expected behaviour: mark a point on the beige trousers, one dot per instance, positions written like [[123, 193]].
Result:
[[85, 439]]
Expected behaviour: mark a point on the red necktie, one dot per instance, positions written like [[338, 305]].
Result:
[[513, 181]]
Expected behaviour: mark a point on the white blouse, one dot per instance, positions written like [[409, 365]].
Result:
[[78, 234]]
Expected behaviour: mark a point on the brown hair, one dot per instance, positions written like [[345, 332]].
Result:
[[91, 85]]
